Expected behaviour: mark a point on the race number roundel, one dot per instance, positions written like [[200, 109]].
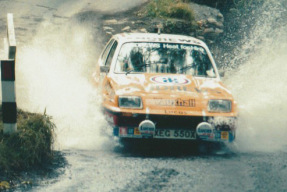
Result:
[[177, 80]]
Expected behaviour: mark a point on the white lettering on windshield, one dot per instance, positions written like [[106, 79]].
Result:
[[151, 45], [170, 46]]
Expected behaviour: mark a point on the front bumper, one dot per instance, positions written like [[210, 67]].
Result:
[[171, 127], [215, 136]]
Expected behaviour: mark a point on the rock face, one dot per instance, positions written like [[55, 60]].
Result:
[[210, 22], [208, 25]]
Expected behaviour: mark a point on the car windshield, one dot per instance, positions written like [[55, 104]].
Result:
[[141, 57]]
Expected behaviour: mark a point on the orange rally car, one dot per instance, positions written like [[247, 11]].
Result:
[[161, 86]]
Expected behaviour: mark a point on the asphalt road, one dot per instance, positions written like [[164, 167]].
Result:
[[58, 43]]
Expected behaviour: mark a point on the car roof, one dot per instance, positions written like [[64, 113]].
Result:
[[154, 37]]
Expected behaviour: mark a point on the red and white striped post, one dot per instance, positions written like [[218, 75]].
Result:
[[9, 106]]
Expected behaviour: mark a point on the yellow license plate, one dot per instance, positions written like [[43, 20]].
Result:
[[137, 132], [224, 135]]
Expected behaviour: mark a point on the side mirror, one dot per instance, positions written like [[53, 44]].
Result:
[[221, 72], [104, 69]]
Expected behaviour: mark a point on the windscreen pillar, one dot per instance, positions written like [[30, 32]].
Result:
[[9, 106]]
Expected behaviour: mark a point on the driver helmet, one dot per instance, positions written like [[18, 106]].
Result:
[[136, 60]]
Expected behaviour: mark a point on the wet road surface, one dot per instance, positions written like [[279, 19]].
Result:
[[166, 170]]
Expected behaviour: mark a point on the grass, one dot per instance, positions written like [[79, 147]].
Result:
[[176, 9], [30, 146]]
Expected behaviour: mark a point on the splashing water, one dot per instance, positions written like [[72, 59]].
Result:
[[52, 77], [54, 69], [259, 84]]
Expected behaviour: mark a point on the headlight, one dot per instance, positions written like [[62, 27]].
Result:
[[130, 102], [219, 106]]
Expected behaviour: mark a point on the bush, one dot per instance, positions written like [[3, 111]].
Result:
[[30, 146], [181, 11], [169, 9]]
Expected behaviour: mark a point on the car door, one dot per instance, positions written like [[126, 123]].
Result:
[[107, 88], [110, 56], [104, 62]]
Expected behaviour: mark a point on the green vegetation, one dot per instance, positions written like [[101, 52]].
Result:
[[30, 146], [176, 9], [172, 16]]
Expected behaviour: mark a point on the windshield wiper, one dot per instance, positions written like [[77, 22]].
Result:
[[139, 67]]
